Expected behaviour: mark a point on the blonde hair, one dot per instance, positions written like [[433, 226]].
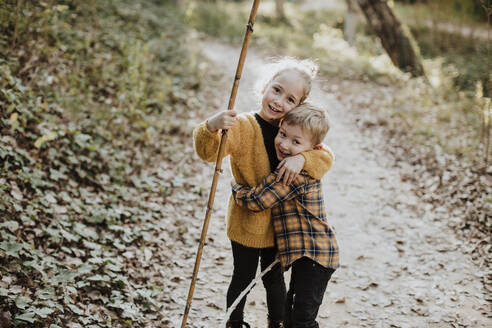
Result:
[[310, 118], [306, 68]]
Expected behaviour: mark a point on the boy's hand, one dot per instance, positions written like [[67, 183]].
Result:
[[289, 168], [222, 120]]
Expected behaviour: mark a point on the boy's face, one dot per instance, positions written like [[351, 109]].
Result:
[[281, 95], [292, 140]]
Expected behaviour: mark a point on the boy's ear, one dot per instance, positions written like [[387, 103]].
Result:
[[318, 147]]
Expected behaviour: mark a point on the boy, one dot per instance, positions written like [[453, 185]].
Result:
[[304, 239]]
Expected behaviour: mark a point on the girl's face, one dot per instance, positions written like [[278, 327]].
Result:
[[282, 95]]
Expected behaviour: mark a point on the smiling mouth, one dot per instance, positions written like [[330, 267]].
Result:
[[273, 109], [281, 153]]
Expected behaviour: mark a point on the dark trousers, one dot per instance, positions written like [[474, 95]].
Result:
[[245, 265], [307, 286]]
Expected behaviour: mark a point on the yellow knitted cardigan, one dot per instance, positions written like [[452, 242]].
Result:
[[250, 165]]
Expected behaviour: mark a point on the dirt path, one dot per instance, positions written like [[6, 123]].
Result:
[[401, 266]]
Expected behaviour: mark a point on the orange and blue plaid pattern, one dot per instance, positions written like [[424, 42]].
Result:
[[298, 216]]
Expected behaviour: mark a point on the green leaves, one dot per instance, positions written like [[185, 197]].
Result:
[[45, 138], [26, 316], [10, 225], [37, 265], [82, 140], [44, 312], [30, 316], [11, 249], [22, 302], [85, 104]]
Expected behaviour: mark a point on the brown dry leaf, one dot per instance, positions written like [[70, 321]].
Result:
[[421, 311], [5, 318], [214, 306], [340, 300]]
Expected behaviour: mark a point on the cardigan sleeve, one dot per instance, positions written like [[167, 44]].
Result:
[[206, 143], [318, 162]]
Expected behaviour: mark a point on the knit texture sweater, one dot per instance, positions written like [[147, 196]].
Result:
[[249, 166]]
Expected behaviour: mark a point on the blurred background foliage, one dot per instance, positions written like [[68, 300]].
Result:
[[458, 10], [464, 45]]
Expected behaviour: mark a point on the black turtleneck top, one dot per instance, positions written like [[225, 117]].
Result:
[[269, 133]]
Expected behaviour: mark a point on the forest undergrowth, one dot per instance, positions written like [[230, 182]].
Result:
[[96, 100]]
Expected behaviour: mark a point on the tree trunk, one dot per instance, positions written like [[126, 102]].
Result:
[[395, 37], [279, 6], [350, 21]]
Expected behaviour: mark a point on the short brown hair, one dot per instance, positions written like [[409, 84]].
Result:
[[310, 118]]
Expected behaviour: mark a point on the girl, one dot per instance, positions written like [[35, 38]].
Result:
[[250, 145]]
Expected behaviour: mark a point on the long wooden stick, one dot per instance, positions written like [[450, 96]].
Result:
[[218, 163]]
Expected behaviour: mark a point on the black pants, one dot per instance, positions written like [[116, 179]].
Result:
[[245, 265], [307, 286]]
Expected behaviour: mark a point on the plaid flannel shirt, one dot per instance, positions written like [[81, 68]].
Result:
[[298, 216]]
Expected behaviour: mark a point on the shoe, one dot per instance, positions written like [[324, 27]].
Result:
[[275, 324], [237, 324]]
